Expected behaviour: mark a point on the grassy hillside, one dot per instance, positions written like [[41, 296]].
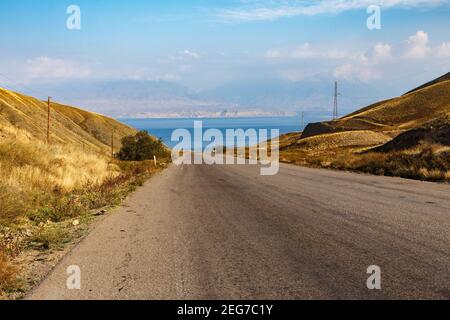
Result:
[[403, 113], [436, 131], [48, 191], [408, 136], [445, 77], [69, 125]]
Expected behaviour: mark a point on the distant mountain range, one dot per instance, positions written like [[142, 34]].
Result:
[[147, 98]]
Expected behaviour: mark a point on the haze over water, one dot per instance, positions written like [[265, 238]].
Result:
[[163, 128]]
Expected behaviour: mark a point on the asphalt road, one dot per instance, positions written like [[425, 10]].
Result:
[[225, 232]]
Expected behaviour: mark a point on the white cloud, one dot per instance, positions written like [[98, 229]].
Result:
[[418, 45], [170, 77], [344, 71], [166, 77], [380, 59], [382, 51], [191, 54], [49, 68], [350, 71], [273, 10], [305, 51], [443, 51], [363, 65]]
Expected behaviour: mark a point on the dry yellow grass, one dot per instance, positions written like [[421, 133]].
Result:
[[406, 136], [347, 139], [43, 187], [28, 164], [69, 125], [424, 162], [7, 273]]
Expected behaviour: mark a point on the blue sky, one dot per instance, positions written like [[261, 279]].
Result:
[[204, 44]]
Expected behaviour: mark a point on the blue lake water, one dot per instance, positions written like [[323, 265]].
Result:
[[163, 128]]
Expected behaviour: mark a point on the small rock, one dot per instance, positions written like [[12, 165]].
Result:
[[29, 233], [76, 222]]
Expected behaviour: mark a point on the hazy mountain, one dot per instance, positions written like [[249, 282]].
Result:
[[314, 95], [124, 97], [146, 98]]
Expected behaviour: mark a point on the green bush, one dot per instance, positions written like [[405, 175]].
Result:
[[141, 147], [51, 237]]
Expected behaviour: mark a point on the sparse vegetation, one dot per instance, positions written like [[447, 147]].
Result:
[[48, 192], [51, 237], [426, 161], [44, 188]]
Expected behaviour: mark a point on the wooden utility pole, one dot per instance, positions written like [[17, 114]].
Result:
[[112, 144], [48, 120]]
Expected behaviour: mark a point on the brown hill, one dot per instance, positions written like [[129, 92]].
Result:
[[403, 113], [69, 125], [445, 77], [433, 132], [408, 136]]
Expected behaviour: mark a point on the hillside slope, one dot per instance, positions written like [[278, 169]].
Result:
[[408, 136], [49, 193], [69, 125], [436, 131], [403, 113], [445, 77]]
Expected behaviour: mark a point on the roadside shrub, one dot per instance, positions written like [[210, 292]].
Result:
[[51, 237], [141, 147]]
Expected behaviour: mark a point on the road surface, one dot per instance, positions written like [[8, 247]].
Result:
[[225, 232]]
